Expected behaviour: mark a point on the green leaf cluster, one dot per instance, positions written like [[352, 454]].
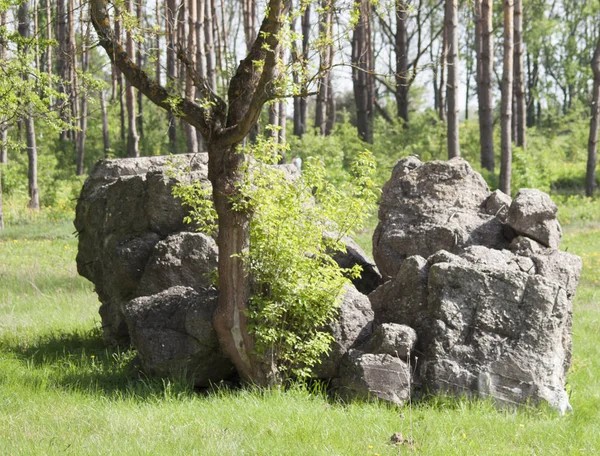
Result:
[[297, 222]]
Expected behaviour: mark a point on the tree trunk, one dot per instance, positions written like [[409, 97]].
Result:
[[132, 136], [170, 9], [401, 49], [119, 75], [442, 87], [62, 61], [282, 124], [519, 82], [532, 79], [105, 135], [452, 88], [80, 136], [301, 103], [362, 73], [507, 86], [211, 60], [3, 127], [140, 59], [48, 49], [485, 70], [326, 60], [190, 90], [590, 175], [34, 197]]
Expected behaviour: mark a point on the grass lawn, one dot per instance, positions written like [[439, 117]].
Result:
[[62, 392]]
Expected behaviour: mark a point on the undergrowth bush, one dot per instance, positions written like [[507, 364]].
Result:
[[296, 223]]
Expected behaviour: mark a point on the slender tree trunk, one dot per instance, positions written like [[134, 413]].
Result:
[[362, 73], [62, 62], [485, 70], [442, 87], [190, 90], [452, 88], [171, 28], [326, 60], [72, 67], [157, 63], [48, 49], [401, 49], [81, 134], [140, 60], [519, 82], [590, 176], [282, 124], [301, 103], [3, 127], [507, 86], [119, 76], [331, 110], [211, 60], [132, 136], [34, 197], [532, 78], [105, 135]]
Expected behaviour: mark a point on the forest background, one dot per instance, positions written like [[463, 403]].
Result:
[[387, 78]]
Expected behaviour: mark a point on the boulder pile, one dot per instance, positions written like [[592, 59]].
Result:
[[477, 297]]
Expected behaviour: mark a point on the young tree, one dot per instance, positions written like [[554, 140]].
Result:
[[451, 26], [224, 125], [590, 176], [507, 97]]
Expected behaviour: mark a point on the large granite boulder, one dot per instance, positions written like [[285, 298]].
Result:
[[487, 322], [427, 207], [173, 334], [125, 208]]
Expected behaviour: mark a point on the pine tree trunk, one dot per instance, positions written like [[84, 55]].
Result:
[[282, 124], [452, 88], [211, 60], [3, 127], [81, 134], [442, 86], [132, 136], [506, 109], [301, 103], [48, 49], [62, 54], [401, 50], [170, 9], [326, 60], [592, 159], [34, 197], [485, 71], [519, 82], [362, 73], [105, 135], [140, 60]]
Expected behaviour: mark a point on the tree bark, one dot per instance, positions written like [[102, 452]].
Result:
[[224, 127], [507, 86], [442, 87], [140, 60], [132, 136], [326, 60], [519, 82], [452, 87], [170, 9], [485, 71], [34, 197], [590, 175], [80, 136], [190, 89], [362, 72], [401, 48], [105, 135], [301, 103]]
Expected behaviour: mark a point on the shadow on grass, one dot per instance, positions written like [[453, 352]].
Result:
[[79, 361]]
